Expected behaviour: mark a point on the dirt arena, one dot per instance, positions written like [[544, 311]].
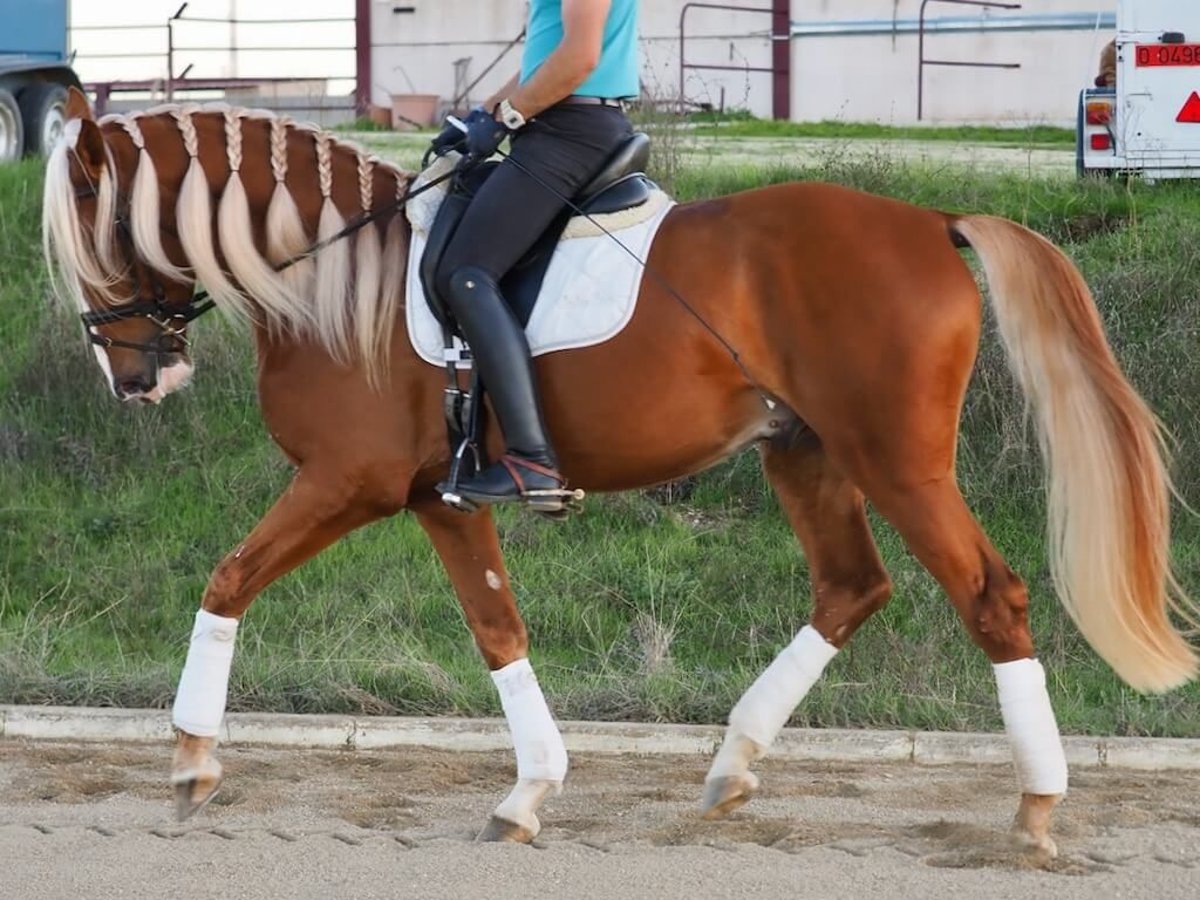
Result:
[[95, 821]]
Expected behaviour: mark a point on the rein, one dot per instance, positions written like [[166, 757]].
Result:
[[173, 319]]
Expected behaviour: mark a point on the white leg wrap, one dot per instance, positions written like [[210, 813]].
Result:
[[200, 700], [776, 693], [1032, 730], [536, 740]]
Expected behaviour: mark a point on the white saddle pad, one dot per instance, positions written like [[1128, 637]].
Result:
[[589, 292]]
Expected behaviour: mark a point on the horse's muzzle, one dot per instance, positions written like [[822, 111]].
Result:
[[134, 387]]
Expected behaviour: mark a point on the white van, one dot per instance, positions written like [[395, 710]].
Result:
[[1149, 124]]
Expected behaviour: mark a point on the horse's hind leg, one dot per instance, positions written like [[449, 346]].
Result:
[[993, 604], [849, 583], [470, 551]]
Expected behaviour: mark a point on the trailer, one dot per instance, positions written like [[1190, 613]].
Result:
[[1148, 124], [35, 73]]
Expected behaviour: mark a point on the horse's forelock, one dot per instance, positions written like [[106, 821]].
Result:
[[77, 255]]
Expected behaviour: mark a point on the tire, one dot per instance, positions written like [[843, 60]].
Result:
[[43, 107], [12, 135]]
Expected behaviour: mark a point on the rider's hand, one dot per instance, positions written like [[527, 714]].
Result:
[[449, 138], [484, 134]]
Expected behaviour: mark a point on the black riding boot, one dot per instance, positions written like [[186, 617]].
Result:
[[528, 470]]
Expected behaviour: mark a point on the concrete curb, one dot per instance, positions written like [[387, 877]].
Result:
[[369, 733]]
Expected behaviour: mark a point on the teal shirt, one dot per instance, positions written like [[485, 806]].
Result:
[[617, 73]]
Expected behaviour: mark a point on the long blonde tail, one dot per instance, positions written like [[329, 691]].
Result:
[[1108, 487]]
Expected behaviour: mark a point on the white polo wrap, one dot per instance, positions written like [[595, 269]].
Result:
[[200, 700], [1032, 730], [775, 694], [536, 739]]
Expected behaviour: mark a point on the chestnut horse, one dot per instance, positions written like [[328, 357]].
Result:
[[856, 321]]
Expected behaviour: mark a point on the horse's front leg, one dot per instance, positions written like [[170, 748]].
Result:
[[470, 551], [317, 508]]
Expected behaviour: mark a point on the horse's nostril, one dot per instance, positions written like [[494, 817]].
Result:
[[132, 387]]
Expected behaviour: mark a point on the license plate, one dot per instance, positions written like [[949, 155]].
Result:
[[1167, 55]]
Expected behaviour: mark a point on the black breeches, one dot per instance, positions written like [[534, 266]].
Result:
[[565, 146]]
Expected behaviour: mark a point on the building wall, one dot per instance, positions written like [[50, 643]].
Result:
[[873, 76], [854, 60]]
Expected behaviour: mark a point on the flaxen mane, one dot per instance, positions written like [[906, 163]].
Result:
[[346, 297]]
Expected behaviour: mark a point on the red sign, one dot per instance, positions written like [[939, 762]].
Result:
[[1191, 110], [1167, 55]]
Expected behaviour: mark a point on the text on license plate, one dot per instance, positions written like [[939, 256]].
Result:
[[1168, 55]]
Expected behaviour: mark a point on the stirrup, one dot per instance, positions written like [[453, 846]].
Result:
[[467, 461], [458, 501]]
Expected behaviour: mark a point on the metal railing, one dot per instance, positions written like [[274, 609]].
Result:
[[922, 61], [170, 82], [684, 65], [461, 95]]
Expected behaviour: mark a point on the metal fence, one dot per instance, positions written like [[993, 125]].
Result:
[[186, 64], [923, 60]]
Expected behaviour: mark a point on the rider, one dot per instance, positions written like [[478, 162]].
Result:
[[564, 115]]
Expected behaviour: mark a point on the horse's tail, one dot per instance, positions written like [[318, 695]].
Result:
[[1107, 482]]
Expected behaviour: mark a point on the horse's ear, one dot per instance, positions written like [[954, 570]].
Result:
[[89, 142], [89, 148], [77, 105]]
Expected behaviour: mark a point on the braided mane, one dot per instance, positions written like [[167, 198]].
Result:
[[346, 297]]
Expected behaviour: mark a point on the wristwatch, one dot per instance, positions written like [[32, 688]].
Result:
[[511, 116]]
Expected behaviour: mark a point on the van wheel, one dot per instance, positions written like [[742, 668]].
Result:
[[43, 106], [12, 136]]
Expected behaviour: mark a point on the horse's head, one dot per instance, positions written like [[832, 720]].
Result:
[[103, 236]]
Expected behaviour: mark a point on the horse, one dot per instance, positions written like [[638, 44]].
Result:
[[856, 321]]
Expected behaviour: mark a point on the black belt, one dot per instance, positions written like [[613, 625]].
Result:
[[581, 100]]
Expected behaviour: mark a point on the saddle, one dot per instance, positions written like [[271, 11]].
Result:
[[621, 184]]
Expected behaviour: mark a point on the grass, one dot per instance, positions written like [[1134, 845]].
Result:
[[1015, 136], [659, 605]]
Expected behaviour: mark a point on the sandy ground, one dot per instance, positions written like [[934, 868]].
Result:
[[81, 821]]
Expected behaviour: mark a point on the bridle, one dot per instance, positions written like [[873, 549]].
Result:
[[172, 318]]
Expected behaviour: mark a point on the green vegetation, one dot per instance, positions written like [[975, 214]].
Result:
[[659, 605], [1017, 136], [362, 123]]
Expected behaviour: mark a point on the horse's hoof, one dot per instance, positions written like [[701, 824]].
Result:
[[1039, 848], [1031, 827], [502, 831], [725, 794], [195, 787], [192, 796]]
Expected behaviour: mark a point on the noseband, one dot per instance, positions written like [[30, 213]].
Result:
[[173, 318]]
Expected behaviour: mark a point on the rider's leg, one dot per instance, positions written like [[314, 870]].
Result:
[[564, 147], [499, 349]]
